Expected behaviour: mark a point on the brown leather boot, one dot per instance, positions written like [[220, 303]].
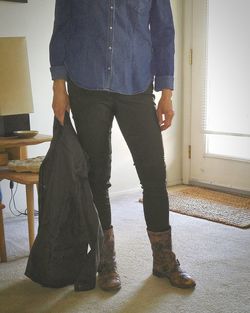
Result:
[[108, 277], [165, 263]]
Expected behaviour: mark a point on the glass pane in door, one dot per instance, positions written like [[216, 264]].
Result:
[[227, 108]]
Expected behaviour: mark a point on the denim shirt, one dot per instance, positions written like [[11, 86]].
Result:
[[114, 45]]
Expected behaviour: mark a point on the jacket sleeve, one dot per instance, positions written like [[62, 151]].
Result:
[[58, 42], [163, 43]]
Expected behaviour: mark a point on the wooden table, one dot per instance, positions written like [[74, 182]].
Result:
[[17, 147], [3, 256], [17, 150]]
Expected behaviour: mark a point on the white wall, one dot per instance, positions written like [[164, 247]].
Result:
[[34, 21]]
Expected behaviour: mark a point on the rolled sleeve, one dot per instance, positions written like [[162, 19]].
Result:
[[58, 72], [59, 39], [163, 44], [164, 82]]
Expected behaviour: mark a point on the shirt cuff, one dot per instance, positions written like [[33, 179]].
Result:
[[58, 72], [164, 82]]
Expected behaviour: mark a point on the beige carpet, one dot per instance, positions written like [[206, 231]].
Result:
[[211, 205], [215, 254]]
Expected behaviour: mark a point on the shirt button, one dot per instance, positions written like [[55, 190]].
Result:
[[110, 27], [111, 7], [109, 68], [110, 48]]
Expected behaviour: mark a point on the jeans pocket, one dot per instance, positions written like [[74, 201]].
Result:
[[139, 5]]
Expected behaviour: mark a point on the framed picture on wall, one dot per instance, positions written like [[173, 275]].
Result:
[[22, 1]]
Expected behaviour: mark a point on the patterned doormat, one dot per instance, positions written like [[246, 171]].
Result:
[[212, 205]]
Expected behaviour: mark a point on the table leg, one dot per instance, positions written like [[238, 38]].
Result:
[[3, 255], [30, 212], [17, 153]]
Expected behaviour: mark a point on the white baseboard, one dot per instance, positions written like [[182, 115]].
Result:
[[220, 188], [139, 189], [114, 194]]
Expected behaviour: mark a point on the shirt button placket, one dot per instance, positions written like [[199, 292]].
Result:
[[110, 41]]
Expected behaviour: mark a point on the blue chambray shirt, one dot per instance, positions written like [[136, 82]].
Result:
[[116, 45]]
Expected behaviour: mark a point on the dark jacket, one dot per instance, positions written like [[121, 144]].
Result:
[[69, 225]]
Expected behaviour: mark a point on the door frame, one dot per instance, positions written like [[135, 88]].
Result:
[[188, 13], [187, 88]]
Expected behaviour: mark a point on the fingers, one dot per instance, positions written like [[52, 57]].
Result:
[[60, 105], [59, 110], [61, 118], [165, 119], [68, 107], [159, 116]]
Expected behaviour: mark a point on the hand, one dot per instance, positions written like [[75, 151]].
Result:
[[60, 102], [165, 111]]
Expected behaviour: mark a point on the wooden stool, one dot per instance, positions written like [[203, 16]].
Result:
[[29, 180], [3, 256]]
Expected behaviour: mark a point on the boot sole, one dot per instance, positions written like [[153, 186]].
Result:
[[115, 288], [165, 275]]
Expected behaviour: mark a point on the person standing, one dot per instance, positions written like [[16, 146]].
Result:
[[106, 58]]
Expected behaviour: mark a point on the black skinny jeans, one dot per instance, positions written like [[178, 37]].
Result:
[[93, 112]]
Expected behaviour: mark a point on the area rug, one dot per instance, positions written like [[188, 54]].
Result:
[[212, 205]]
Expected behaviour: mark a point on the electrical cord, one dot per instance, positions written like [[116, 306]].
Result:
[[12, 200]]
